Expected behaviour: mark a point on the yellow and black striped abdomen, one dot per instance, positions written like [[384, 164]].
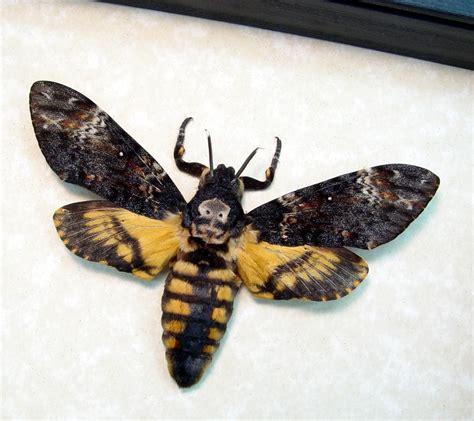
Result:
[[197, 303]]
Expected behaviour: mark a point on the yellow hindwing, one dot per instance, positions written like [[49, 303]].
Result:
[[102, 232], [305, 272]]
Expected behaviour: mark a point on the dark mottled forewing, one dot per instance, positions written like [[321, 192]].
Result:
[[84, 146], [362, 209]]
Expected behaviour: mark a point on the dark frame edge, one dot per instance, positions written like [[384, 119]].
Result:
[[362, 24]]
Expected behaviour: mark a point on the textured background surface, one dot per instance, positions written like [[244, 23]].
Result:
[[81, 340]]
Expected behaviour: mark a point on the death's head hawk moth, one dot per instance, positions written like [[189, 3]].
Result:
[[290, 247]]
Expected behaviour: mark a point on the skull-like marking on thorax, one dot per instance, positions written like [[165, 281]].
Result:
[[211, 223]]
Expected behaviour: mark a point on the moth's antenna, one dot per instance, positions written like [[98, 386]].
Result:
[[246, 162], [211, 161]]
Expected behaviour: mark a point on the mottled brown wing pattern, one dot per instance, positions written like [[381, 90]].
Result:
[[303, 272], [362, 209], [101, 232], [85, 146]]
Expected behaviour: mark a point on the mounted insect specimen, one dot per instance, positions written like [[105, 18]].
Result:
[[290, 247]]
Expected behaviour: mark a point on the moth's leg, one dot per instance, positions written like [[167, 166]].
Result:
[[192, 168], [254, 184]]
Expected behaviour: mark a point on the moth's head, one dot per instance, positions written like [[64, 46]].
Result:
[[222, 178], [215, 214]]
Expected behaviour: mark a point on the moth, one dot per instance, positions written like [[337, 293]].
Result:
[[291, 247]]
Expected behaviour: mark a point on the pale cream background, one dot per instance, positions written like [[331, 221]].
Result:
[[84, 341]]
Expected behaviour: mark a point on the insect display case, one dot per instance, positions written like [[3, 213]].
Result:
[[153, 269]]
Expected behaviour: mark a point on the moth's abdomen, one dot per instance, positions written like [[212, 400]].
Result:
[[197, 304]]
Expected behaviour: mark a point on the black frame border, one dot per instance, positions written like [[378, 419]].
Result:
[[380, 25]]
